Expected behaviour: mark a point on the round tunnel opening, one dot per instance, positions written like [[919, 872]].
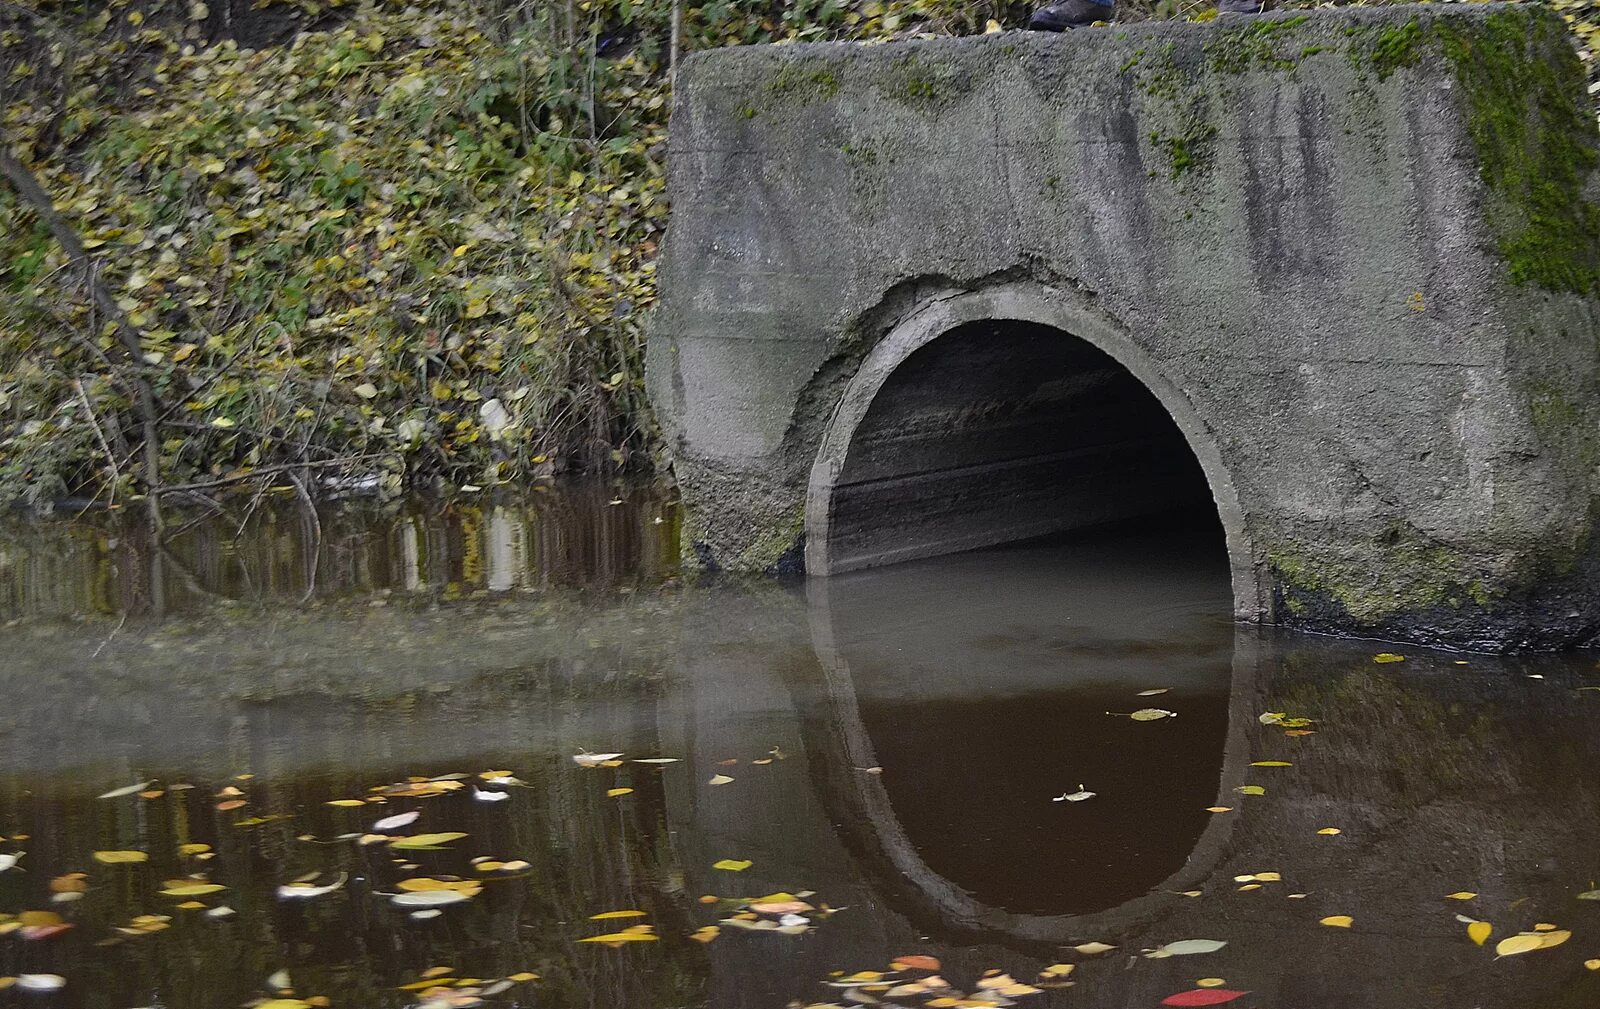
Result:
[[1005, 431], [1115, 578]]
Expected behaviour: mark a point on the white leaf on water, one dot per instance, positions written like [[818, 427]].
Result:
[[117, 793], [425, 914], [299, 891], [10, 861], [593, 759], [1077, 796], [483, 796], [1187, 947], [397, 821], [429, 898], [41, 982]]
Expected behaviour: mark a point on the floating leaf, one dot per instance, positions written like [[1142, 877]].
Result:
[[1460, 895], [1210, 982], [486, 795], [1251, 790], [1190, 947], [639, 933], [1079, 796], [608, 915], [429, 898], [117, 793], [915, 961], [719, 779], [1271, 763], [418, 842], [1329, 831], [41, 982], [1479, 932], [305, 891], [1219, 809], [1092, 948], [1203, 997], [1152, 714], [1338, 921], [120, 857], [705, 933], [397, 821], [1589, 895], [1554, 938], [1152, 693], [1383, 658], [1524, 942], [593, 759], [612, 793], [195, 889], [346, 803], [732, 864], [657, 760]]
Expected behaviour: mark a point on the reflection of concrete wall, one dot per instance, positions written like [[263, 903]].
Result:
[[1440, 780]]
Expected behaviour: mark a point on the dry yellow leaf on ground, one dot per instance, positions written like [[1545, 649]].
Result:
[[1338, 921]]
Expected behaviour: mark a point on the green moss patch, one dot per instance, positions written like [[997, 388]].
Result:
[[1536, 144]]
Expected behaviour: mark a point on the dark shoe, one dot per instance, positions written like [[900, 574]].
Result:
[[1241, 6], [1069, 14]]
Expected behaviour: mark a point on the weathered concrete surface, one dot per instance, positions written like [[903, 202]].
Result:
[[1353, 255]]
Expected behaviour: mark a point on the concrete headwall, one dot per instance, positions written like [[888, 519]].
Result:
[[1353, 254]]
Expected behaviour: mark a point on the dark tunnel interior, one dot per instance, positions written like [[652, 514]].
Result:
[[1004, 431]]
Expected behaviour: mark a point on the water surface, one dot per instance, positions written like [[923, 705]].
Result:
[[897, 743]]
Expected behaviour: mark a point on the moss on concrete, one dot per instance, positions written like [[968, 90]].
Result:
[[917, 81], [804, 82], [1522, 87], [1418, 573], [1255, 46]]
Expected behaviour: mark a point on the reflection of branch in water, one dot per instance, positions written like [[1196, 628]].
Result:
[[314, 549], [102, 646]]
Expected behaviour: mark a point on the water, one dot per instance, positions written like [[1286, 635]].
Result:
[[896, 743]]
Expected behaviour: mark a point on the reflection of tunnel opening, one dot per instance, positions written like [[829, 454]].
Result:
[[1001, 431]]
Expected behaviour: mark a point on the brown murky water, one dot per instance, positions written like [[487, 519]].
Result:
[[897, 746]]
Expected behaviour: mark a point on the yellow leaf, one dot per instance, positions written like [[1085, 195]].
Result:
[[120, 857], [1210, 982], [520, 976], [1592, 964], [1329, 831], [1460, 895], [1251, 790], [705, 934], [1556, 938], [1387, 657], [1338, 921], [1219, 809], [622, 937], [612, 793], [193, 889], [347, 803], [616, 914], [426, 840], [732, 864], [1271, 763], [1522, 943], [1479, 932]]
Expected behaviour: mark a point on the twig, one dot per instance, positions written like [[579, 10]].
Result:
[[105, 446], [316, 536], [261, 471]]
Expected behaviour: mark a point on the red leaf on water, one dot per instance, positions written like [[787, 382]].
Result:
[[915, 962], [1203, 996]]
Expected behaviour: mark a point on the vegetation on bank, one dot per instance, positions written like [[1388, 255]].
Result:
[[412, 241]]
